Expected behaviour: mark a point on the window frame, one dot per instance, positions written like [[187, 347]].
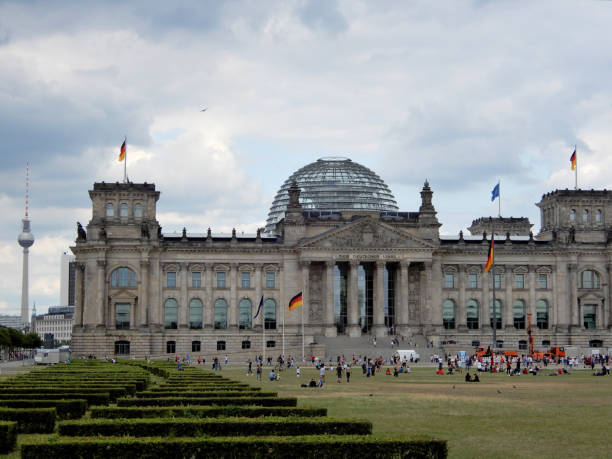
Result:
[[221, 279], [270, 279], [196, 279], [449, 280], [170, 325], [245, 279], [196, 324]]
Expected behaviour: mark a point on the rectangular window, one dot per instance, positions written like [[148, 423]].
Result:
[[170, 347], [449, 281], [245, 280], [221, 279], [220, 345], [171, 279], [497, 281], [270, 280], [543, 280], [473, 280], [196, 280], [270, 344], [519, 281], [246, 345], [195, 346], [122, 316]]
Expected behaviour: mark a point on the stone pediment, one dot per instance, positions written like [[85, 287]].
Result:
[[366, 233]]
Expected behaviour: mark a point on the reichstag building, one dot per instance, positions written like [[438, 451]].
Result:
[[335, 233]]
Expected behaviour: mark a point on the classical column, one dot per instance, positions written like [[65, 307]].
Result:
[[258, 294], [461, 318], [608, 293], [184, 298], [379, 299], [561, 296], [574, 309], [101, 299], [78, 295], [485, 301], [232, 312], [508, 306], [404, 298], [330, 327], [209, 300], [531, 307], [352, 306], [303, 318], [433, 297], [143, 315]]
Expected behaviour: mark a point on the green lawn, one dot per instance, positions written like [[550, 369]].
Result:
[[502, 416]]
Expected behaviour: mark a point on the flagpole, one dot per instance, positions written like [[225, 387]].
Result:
[[263, 334], [125, 161], [576, 174], [494, 305], [303, 355], [283, 330]]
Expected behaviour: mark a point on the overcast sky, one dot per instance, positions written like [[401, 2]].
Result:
[[463, 93]]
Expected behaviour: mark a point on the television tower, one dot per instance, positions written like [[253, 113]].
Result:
[[25, 239]]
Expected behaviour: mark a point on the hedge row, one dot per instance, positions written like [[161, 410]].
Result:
[[309, 447], [140, 384], [114, 390], [198, 388], [208, 394], [203, 412], [66, 409], [93, 398], [30, 420], [8, 436], [186, 427], [220, 401]]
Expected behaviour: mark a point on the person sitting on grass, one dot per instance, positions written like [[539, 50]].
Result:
[[312, 383], [272, 375], [468, 377], [476, 378]]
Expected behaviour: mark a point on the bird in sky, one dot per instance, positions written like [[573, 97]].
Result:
[[204, 109]]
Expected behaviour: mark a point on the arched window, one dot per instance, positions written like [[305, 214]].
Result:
[[448, 314], [518, 314], [497, 312], [588, 279], [471, 310], [138, 210], [270, 314], [122, 348], [598, 216], [220, 320], [573, 215], [245, 313], [195, 313], [170, 313], [596, 343], [123, 277], [585, 215], [123, 209], [110, 209], [542, 314]]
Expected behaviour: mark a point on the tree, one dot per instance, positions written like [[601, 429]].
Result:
[[31, 341]]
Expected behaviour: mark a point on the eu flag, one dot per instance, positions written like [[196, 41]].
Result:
[[495, 192], [259, 307]]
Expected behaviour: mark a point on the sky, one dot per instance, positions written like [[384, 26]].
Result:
[[461, 93]]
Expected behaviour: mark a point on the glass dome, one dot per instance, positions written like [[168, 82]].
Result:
[[333, 184]]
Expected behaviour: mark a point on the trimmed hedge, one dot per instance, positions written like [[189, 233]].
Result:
[[220, 401], [113, 392], [203, 412], [209, 394], [66, 409], [93, 398], [309, 447], [8, 436], [30, 420], [195, 388], [184, 427]]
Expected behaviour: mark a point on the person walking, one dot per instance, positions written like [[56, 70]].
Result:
[[339, 372], [347, 371]]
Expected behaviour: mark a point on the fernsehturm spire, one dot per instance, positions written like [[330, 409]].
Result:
[[25, 239]]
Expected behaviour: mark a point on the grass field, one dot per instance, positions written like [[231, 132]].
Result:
[[502, 416]]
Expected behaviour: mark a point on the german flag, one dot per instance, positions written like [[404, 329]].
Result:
[[122, 152], [490, 258], [573, 159], [295, 302]]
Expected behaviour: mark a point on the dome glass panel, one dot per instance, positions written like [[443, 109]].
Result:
[[333, 184]]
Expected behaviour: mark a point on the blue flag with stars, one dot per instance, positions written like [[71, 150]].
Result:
[[259, 307], [495, 192]]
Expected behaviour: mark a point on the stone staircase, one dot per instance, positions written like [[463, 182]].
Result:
[[364, 346]]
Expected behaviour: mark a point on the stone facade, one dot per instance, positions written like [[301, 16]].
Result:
[[139, 292]]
